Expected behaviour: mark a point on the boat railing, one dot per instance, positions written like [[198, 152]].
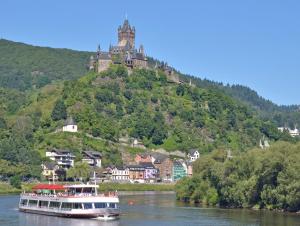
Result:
[[66, 195]]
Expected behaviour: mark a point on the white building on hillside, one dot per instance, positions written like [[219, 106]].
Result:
[[120, 174], [193, 155], [293, 132], [93, 158], [63, 158], [70, 126]]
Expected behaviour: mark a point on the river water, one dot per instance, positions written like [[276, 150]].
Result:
[[152, 209]]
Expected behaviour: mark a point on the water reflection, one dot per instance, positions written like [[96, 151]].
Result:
[[152, 210], [27, 219]]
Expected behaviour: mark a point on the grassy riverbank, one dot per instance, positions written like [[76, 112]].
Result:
[[136, 187], [6, 188]]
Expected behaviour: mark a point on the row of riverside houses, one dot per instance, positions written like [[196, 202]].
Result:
[[154, 167], [62, 160], [148, 167]]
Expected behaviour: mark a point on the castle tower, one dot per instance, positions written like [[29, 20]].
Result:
[[98, 52], [126, 34], [141, 50]]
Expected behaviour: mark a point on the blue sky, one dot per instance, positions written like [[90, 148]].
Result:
[[250, 42]]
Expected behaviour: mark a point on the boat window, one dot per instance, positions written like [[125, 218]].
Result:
[[112, 205], [99, 205], [32, 203], [54, 204], [77, 206], [88, 205], [43, 203], [66, 205], [24, 202]]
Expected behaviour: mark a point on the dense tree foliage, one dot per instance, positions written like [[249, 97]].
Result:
[[59, 111], [24, 66], [175, 117], [81, 171], [266, 109], [258, 178]]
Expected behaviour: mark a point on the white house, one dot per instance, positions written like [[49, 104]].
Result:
[[120, 174], [70, 126], [93, 158], [293, 132], [63, 158], [193, 155]]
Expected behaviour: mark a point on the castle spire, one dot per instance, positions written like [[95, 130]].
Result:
[[98, 51]]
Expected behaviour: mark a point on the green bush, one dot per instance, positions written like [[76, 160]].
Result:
[[15, 181]]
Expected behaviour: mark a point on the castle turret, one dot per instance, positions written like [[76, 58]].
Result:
[[141, 50], [92, 63], [126, 33], [98, 51]]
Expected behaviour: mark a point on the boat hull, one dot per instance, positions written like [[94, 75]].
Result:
[[103, 214]]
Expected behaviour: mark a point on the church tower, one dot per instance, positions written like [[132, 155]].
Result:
[[126, 35]]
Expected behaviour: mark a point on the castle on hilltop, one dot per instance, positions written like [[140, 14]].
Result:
[[123, 53]]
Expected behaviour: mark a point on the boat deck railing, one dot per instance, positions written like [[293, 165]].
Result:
[[66, 195]]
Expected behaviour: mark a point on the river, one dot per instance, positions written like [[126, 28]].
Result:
[[152, 209]]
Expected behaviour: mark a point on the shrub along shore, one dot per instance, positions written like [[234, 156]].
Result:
[[258, 179], [6, 188]]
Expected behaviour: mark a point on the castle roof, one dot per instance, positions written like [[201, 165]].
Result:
[[138, 56], [126, 27], [104, 56]]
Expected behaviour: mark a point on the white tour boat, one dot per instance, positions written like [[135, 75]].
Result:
[[78, 201]]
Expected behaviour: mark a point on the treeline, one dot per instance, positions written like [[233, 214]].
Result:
[[25, 67], [281, 115], [19, 161], [255, 179]]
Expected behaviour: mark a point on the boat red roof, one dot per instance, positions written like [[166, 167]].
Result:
[[48, 187]]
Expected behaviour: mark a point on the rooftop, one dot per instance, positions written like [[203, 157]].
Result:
[[70, 121]]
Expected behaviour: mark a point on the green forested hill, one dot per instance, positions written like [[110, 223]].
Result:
[[281, 115], [143, 105], [24, 66], [114, 105]]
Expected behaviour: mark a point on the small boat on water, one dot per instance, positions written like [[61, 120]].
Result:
[[76, 201]]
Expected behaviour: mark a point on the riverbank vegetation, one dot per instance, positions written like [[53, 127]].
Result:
[[6, 188], [135, 187], [255, 179]]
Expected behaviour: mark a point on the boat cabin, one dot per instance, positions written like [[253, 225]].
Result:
[[66, 190], [82, 189]]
